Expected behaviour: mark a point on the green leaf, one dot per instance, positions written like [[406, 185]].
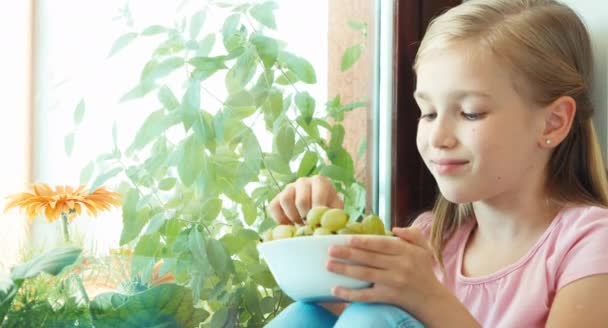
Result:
[[362, 148], [340, 157], [87, 172], [358, 26], [122, 42], [165, 305], [79, 112], [350, 56], [302, 69], [263, 13], [231, 25], [51, 262], [306, 104], [129, 217], [284, 141], [230, 32], [240, 105], [355, 200], [308, 164], [266, 48], [249, 211], [272, 108], [207, 66], [156, 222], [139, 91], [277, 164], [267, 304], [167, 98], [191, 103], [252, 154], [148, 245], [198, 248], [204, 130], [167, 183], [155, 70], [337, 173], [211, 209], [241, 73], [196, 23], [153, 30], [171, 46], [68, 143], [101, 179], [218, 257], [354, 105], [193, 159], [219, 318], [337, 137], [287, 78], [155, 125], [205, 46]]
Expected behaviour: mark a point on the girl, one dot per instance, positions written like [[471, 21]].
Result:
[[519, 234]]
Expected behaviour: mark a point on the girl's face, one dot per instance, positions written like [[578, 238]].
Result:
[[477, 135]]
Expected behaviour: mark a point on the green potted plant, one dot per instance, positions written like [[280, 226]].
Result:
[[197, 177]]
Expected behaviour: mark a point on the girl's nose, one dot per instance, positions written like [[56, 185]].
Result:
[[442, 134]]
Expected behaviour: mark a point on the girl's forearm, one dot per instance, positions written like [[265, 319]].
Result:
[[444, 310]]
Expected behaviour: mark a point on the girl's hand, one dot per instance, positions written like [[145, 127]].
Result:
[[401, 270], [293, 203]]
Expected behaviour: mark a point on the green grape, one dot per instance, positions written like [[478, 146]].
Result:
[[373, 225], [267, 235], [346, 231], [283, 231], [355, 227], [321, 232], [334, 219], [304, 231], [321, 220], [313, 217]]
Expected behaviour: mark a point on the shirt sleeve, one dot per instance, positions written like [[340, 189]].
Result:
[[587, 248]]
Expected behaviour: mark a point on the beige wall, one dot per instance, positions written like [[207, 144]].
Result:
[[15, 121], [356, 83], [595, 15]]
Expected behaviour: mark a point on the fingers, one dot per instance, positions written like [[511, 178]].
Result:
[[323, 192], [303, 197], [276, 211], [382, 245], [363, 257], [288, 203], [293, 203], [413, 236]]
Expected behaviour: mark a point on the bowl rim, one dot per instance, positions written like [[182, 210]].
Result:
[[320, 237]]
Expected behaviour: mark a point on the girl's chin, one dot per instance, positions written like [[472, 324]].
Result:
[[457, 196]]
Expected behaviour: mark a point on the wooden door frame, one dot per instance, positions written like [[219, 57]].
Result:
[[413, 189]]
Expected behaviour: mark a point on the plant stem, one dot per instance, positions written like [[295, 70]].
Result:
[[66, 231], [85, 296]]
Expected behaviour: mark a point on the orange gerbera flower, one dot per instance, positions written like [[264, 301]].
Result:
[[64, 200]]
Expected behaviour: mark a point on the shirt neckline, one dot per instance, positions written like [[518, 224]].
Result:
[[507, 269]]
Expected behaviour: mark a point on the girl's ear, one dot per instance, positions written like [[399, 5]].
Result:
[[558, 121]]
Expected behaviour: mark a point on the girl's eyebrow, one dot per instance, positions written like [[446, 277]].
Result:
[[456, 95]]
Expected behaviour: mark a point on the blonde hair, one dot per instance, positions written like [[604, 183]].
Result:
[[548, 47]]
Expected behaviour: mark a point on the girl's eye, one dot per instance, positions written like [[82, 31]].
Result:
[[472, 116], [428, 117]]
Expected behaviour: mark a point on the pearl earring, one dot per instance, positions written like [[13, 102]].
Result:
[[548, 141]]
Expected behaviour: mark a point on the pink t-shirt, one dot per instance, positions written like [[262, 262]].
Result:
[[520, 295]]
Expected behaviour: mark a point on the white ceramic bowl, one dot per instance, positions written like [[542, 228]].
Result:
[[298, 266]]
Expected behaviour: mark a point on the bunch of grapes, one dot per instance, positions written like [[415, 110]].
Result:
[[322, 220]]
